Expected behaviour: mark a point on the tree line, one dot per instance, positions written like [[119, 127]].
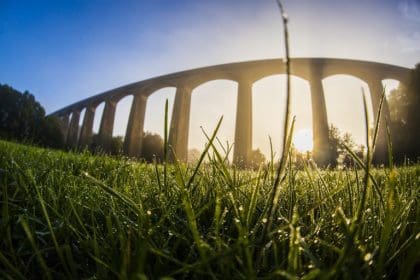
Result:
[[404, 107], [23, 119]]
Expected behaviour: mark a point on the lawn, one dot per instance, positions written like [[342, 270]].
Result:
[[77, 215]]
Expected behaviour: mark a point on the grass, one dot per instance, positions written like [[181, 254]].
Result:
[[71, 216], [67, 216]]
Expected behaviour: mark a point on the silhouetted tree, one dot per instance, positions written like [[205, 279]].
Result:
[[334, 137], [22, 118], [193, 155], [256, 158], [152, 147], [116, 145], [404, 105], [339, 153], [50, 133], [299, 159]]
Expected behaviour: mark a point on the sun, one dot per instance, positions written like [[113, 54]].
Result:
[[303, 140]]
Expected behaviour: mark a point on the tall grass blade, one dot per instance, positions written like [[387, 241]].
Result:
[[378, 118], [285, 150], [38, 254], [165, 148]]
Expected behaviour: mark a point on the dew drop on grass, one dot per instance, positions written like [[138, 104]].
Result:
[[367, 257]]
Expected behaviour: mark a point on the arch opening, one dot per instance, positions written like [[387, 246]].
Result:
[[269, 101], [392, 90], [344, 101], [210, 101], [154, 120], [97, 118], [81, 119], [68, 127], [122, 111]]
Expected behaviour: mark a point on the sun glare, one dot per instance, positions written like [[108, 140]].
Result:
[[303, 140]]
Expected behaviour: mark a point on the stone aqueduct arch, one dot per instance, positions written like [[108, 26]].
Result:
[[314, 70]]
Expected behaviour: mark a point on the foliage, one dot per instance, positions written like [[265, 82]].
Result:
[[76, 216], [404, 104], [193, 155], [116, 145], [300, 159], [338, 143], [256, 159], [22, 118], [152, 148]]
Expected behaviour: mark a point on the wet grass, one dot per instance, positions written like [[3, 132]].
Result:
[[71, 216]]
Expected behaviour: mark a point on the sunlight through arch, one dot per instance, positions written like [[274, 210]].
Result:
[[154, 121], [344, 101], [81, 119], [269, 97], [390, 85], [98, 116], [122, 112], [209, 102]]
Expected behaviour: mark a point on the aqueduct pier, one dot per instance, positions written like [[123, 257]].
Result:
[[313, 70]]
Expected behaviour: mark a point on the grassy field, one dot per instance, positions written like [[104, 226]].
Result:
[[71, 216]]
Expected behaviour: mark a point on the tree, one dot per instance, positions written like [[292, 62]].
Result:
[[116, 145], [338, 151], [22, 118], [404, 104], [193, 155], [51, 135], [334, 148], [152, 147], [299, 158], [256, 159]]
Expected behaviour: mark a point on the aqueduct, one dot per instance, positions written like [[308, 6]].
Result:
[[314, 70]]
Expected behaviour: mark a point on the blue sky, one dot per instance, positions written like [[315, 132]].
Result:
[[63, 51]]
